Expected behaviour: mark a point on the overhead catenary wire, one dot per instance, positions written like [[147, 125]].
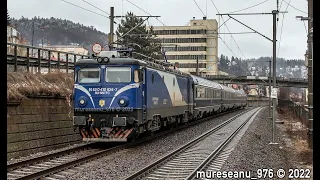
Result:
[[132, 28], [249, 7], [95, 6], [294, 7], [85, 9], [281, 30], [305, 27], [199, 7], [228, 30], [145, 11], [278, 17], [227, 47], [103, 16]]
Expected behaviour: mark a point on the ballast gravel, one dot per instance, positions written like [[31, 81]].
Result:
[[125, 162], [254, 150]]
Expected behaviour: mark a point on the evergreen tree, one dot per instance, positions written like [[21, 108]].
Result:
[[223, 63], [146, 42], [8, 18]]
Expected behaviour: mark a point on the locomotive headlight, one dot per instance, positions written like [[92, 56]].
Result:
[[123, 101], [82, 101]]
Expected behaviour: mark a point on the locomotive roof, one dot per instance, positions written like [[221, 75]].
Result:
[[130, 61], [205, 82]]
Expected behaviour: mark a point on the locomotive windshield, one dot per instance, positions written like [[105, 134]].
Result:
[[89, 75], [118, 74]]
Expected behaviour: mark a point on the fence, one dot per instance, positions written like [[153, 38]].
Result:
[[22, 58], [298, 110]]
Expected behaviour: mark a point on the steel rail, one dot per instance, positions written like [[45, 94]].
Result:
[[220, 147], [28, 162], [168, 157], [102, 153]]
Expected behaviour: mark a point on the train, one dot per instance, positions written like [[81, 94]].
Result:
[[118, 98]]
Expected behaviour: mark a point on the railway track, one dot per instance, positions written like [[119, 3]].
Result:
[[198, 154], [51, 164]]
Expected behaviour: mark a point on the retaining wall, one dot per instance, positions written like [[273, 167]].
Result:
[[39, 124], [257, 101]]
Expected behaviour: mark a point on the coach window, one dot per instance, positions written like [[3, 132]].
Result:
[[118, 74], [89, 75], [174, 82]]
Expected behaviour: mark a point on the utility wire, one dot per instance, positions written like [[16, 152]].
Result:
[[199, 7], [228, 30], [85, 9], [278, 17], [145, 11], [305, 26], [227, 47], [294, 7], [281, 30], [248, 7], [132, 28], [95, 6]]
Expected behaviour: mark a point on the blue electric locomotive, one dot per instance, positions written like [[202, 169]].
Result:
[[118, 98]]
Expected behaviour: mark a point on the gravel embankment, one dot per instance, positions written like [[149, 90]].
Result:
[[254, 152], [123, 163]]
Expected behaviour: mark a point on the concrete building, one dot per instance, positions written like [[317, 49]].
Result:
[[14, 36], [184, 44]]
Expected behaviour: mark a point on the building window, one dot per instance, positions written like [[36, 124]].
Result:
[[173, 32], [183, 40]]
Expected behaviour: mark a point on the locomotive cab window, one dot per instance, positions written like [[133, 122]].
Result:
[[89, 75], [118, 74]]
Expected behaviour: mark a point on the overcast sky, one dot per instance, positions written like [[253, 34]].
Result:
[[293, 42]]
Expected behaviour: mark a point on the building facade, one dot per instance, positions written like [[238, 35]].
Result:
[[14, 37], [184, 44], [73, 48]]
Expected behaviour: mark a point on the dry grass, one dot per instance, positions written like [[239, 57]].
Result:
[[298, 134], [22, 84]]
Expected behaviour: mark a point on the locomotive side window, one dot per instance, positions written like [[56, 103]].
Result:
[[89, 75], [118, 74], [174, 82], [152, 78], [136, 75]]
